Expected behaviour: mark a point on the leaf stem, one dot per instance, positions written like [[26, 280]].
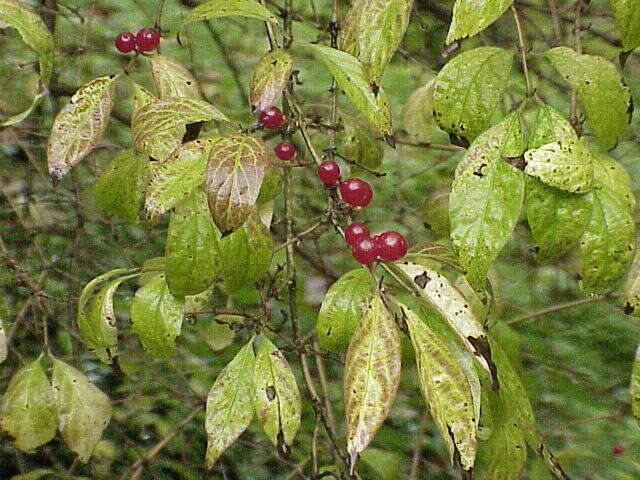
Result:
[[523, 49]]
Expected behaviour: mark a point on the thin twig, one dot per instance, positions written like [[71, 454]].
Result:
[[554, 308], [523, 49]]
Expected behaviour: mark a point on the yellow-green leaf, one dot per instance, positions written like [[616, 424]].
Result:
[[229, 404], [472, 16], [22, 115], [231, 8], [417, 117], [634, 388], [83, 410], [233, 178], [468, 90], [632, 288], [270, 77], [626, 14], [27, 412], [173, 79], [371, 376], [360, 145], [79, 126], [277, 399]]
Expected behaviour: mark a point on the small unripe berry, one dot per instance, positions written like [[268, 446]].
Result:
[[391, 245], [356, 192], [125, 42], [617, 450], [329, 172], [271, 118], [355, 231], [285, 150], [147, 39], [365, 250]]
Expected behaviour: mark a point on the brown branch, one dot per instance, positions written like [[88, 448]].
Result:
[[554, 308]]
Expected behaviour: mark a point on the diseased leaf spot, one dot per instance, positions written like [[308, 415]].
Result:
[[422, 280]]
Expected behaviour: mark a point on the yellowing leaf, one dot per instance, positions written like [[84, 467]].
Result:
[[277, 399], [371, 376], [79, 126], [473, 16], [83, 410], [626, 14], [229, 404], [156, 317], [634, 388], [601, 92], [447, 390], [173, 79], [233, 177], [27, 412], [270, 77], [468, 90], [239, 8]]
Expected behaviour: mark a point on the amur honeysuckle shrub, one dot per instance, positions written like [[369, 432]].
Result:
[[223, 191]]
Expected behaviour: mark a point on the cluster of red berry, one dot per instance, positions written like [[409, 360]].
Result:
[[272, 118], [388, 246], [145, 40]]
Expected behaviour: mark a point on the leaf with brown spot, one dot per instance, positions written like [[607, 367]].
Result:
[[79, 126], [173, 79], [270, 77]]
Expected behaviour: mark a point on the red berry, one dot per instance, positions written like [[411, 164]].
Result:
[[356, 192], [285, 150], [125, 42], [329, 172], [147, 39], [355, 232], [392, 245], [271, 118], [365, 250], [617, 450]]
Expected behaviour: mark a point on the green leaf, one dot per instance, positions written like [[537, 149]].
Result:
[[360, 146], [173, 79], [486, 198], [236, 167], [631, 293], [471, 17], [27, 412], [229, 404], [270, 77], [607, 246], [556, 155], [219, 336], [270, 188], [350, 76], [83, 410], [22, 115], [435, 213], [341, 308], [156, 317], [634, 388], [245, 255], [120, 189], [626, 14], [600, 90], [277, 399], [349, 27], [3, 343], [447, 390], [371, 376], [468, 90], [239, 8], [557, 218], [417, 117], [383, 463], [34, 33], [190, 251], [79, 126]]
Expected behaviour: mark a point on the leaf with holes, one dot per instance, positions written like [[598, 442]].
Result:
[[270, 77], [119, 190], [190, 251], [232, 8], [486, 197], [349, 73], [605, 99], [79, 126], [371, 376], [83, 410], [634, 388], [229, 404], [471, 17], [607, 246], [468, 90], [277, 399], [27, 412], [173, 79], [447, 390], [233, 177], [626, 14], [156, 317], [342, 307]]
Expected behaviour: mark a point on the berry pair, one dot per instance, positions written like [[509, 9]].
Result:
[[388, 246], [145, 40], [354, 191]]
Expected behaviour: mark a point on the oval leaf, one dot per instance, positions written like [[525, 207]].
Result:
[[229, 406], [471, 17], [270, 77], [83, 410], [173, 79], [277, 399], [468, 90], [626, 14], [239, 8], [79, 125], [27, 412], [371, 376]]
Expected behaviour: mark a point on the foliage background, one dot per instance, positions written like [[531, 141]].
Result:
[[576, 361]]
